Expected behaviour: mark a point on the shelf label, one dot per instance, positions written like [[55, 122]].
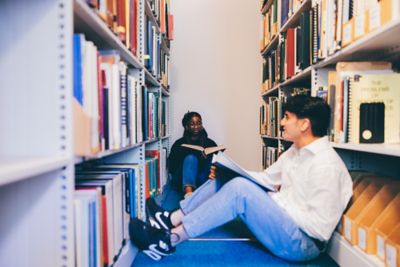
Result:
[[380, 246], [359, 26], [362, 238], [347, 229], [374, 17], [391, 256], [347, 33]]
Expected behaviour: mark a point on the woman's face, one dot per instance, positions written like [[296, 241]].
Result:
[[195, 125]]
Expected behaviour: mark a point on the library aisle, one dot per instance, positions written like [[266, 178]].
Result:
[[90, 104]]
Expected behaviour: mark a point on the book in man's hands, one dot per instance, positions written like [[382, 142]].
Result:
[[222, 160], [205, 150]]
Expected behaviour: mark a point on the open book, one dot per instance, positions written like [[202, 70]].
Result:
[[205, 150], [222, 160]]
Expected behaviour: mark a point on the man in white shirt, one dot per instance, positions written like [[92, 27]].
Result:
[[294, 223]]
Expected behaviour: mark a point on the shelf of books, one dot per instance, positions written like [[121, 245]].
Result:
[[348, 54], [36, 166], [121, 120], [85, 127]]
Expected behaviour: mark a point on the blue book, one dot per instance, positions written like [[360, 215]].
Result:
[[78, 39]]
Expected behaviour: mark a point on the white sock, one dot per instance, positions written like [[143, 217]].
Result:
[[178, 235], [176, 217]]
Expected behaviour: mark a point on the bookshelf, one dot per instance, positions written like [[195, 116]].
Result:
[[378, 44], [37, 158]]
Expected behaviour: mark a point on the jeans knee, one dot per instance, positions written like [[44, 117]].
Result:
[[240, 183], [190, 159]]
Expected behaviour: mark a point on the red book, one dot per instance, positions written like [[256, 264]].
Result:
[[133, 26], [290, 53], [170, 27], [121, 20]]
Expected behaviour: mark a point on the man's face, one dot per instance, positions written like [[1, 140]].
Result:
[[293, 126]]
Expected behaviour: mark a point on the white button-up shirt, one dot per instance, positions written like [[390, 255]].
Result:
[[315, 187]]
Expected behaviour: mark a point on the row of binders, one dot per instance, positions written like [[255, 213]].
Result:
[[365, 102], [111, 108], [106, 197], [372, 220]]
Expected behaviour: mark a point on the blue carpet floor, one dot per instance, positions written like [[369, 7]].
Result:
[[228, 245]]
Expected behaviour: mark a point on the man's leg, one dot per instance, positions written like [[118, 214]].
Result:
[[268, 222], [161, 218]]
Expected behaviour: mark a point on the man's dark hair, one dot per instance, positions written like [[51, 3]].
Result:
[[313, 108], [186, 134]]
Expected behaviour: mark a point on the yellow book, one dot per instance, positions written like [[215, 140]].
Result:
[[376, 88]]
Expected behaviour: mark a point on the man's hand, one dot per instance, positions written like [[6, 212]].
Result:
[[213, 172]]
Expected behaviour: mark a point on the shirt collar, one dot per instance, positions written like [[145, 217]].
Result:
[[317, 145]]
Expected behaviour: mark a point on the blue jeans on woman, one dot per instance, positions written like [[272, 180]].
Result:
[[218, 202], [192, 174]]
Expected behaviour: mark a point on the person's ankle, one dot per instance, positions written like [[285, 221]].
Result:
[[188, 189]]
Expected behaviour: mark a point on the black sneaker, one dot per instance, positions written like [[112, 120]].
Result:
[[157, 216], [153, 242]]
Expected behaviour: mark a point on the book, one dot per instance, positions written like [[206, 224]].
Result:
[[375, 88], [205, 150], [344, 71], [222, 160]]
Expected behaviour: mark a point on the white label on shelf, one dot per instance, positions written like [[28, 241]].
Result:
[[391, 255], [362, 238], [347, 33], [395, 9], [380, 246], [347, 229], [375, 16], [359, 25]]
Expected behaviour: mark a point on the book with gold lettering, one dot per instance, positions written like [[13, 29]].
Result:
[[373, 89]]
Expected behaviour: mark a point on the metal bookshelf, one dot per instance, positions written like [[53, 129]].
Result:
[[37, 161], [379, 44]]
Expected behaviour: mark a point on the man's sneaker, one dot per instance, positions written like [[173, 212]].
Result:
[[154, 242], [157, 216]]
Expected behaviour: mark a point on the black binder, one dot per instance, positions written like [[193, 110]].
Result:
[[372, 122]]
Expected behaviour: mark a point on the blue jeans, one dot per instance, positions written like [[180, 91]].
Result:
[[218, 202], [192, 174]]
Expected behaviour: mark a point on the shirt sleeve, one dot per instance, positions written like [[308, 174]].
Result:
[[273, 174]]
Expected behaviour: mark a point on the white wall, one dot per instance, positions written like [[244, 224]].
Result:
[[216, 70]]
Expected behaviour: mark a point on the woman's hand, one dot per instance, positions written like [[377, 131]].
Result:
[[213, 172]]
